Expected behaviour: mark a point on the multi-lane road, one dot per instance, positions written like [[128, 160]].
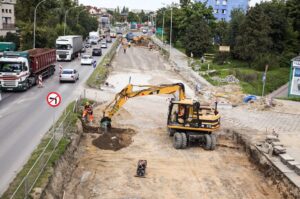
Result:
[[25, 117]]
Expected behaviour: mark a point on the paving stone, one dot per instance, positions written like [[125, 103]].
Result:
[[272, 138], [292, 164], [277, 144], [279, 150], [285, 158], [283, 168], [297, 169], [294, 178]]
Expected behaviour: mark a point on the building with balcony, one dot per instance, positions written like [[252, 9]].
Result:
[[7, 19], [222, 8]]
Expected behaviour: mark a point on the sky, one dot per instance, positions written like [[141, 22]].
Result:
[[136, 4]]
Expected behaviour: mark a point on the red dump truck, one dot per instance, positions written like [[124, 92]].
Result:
[[20, 70]]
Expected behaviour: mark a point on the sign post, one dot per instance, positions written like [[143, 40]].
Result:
[[264, 78], [53, 100]]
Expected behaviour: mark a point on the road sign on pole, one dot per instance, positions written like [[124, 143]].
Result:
[[53, 99], [264, 78]]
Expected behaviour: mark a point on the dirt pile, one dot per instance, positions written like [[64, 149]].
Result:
[[114, 139], [225, 94]]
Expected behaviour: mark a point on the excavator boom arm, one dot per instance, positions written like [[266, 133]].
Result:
[[128, 92]]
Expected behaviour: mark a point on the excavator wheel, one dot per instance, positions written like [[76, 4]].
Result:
[[213, 141], [177, 140], [207, 145], [184, 140]]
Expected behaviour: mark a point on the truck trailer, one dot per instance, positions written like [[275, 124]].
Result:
[[94, 37], [68, 47], [20, 70]]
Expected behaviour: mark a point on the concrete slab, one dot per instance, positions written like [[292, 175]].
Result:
[[283, 168], [279, 150], [292, 164], [294, 178], [272, 138], [277, 144], [297, 169], [224, 106], [285, 158]]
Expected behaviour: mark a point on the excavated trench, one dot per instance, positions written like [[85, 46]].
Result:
[[114, 139], [118, 138], [236, 139]]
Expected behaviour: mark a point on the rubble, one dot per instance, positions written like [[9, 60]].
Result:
[[227, 79]]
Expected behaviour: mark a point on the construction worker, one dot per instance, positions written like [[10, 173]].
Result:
[[129, 44], [124, 48], [88, 111]]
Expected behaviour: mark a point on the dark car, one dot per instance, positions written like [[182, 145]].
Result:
[[129, 36], [87, 45], [97, 52]]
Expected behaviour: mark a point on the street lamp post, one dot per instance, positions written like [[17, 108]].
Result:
[[66, 13], [34, 23], [163, 29], [171, 30], [79, 14]]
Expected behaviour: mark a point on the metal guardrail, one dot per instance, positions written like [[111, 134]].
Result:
[[32, 176]]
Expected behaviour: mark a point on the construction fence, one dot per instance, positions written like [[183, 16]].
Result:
[[48, 148]]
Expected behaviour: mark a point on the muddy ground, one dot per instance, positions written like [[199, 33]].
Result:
[[106, 164]]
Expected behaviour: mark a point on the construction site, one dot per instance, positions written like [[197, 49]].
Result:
[[104, 163]]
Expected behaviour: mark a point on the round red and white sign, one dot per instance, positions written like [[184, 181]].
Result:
[[53, 99]]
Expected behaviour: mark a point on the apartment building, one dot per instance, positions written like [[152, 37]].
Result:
[[7, 19], [222, 8]]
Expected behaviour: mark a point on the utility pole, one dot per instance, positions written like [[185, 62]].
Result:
[[66, 13], [171, 30], [34, 23], [264, 80], [163, 29]]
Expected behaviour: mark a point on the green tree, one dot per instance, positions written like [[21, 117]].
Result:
[[293, 12], [50, 20], [184, 3], [132, 17], [143, 17], [196, 22], [254, 38], [237, 19], [198, 40], [221, 33]]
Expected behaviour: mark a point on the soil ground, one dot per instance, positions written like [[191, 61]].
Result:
[[107, 170]]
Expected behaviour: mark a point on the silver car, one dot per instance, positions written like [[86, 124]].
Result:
[[103, 44], [69, 75]]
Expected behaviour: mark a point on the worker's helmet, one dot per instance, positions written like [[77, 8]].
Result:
[[87, 103]]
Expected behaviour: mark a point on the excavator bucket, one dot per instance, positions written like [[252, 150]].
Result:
[[105, 122]]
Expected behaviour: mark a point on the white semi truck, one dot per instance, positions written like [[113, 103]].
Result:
[[68, 47], [94, 37]]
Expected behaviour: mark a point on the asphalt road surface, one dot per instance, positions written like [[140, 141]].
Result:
[[25, 117]]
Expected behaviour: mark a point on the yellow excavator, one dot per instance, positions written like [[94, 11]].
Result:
[[188, 120]]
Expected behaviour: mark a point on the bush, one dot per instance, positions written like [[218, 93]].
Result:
[[285, 59], [221, 57], [262, 60], [245, 75]]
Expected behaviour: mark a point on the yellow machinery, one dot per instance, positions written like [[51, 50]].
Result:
[[188, 120], [141, 40]]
